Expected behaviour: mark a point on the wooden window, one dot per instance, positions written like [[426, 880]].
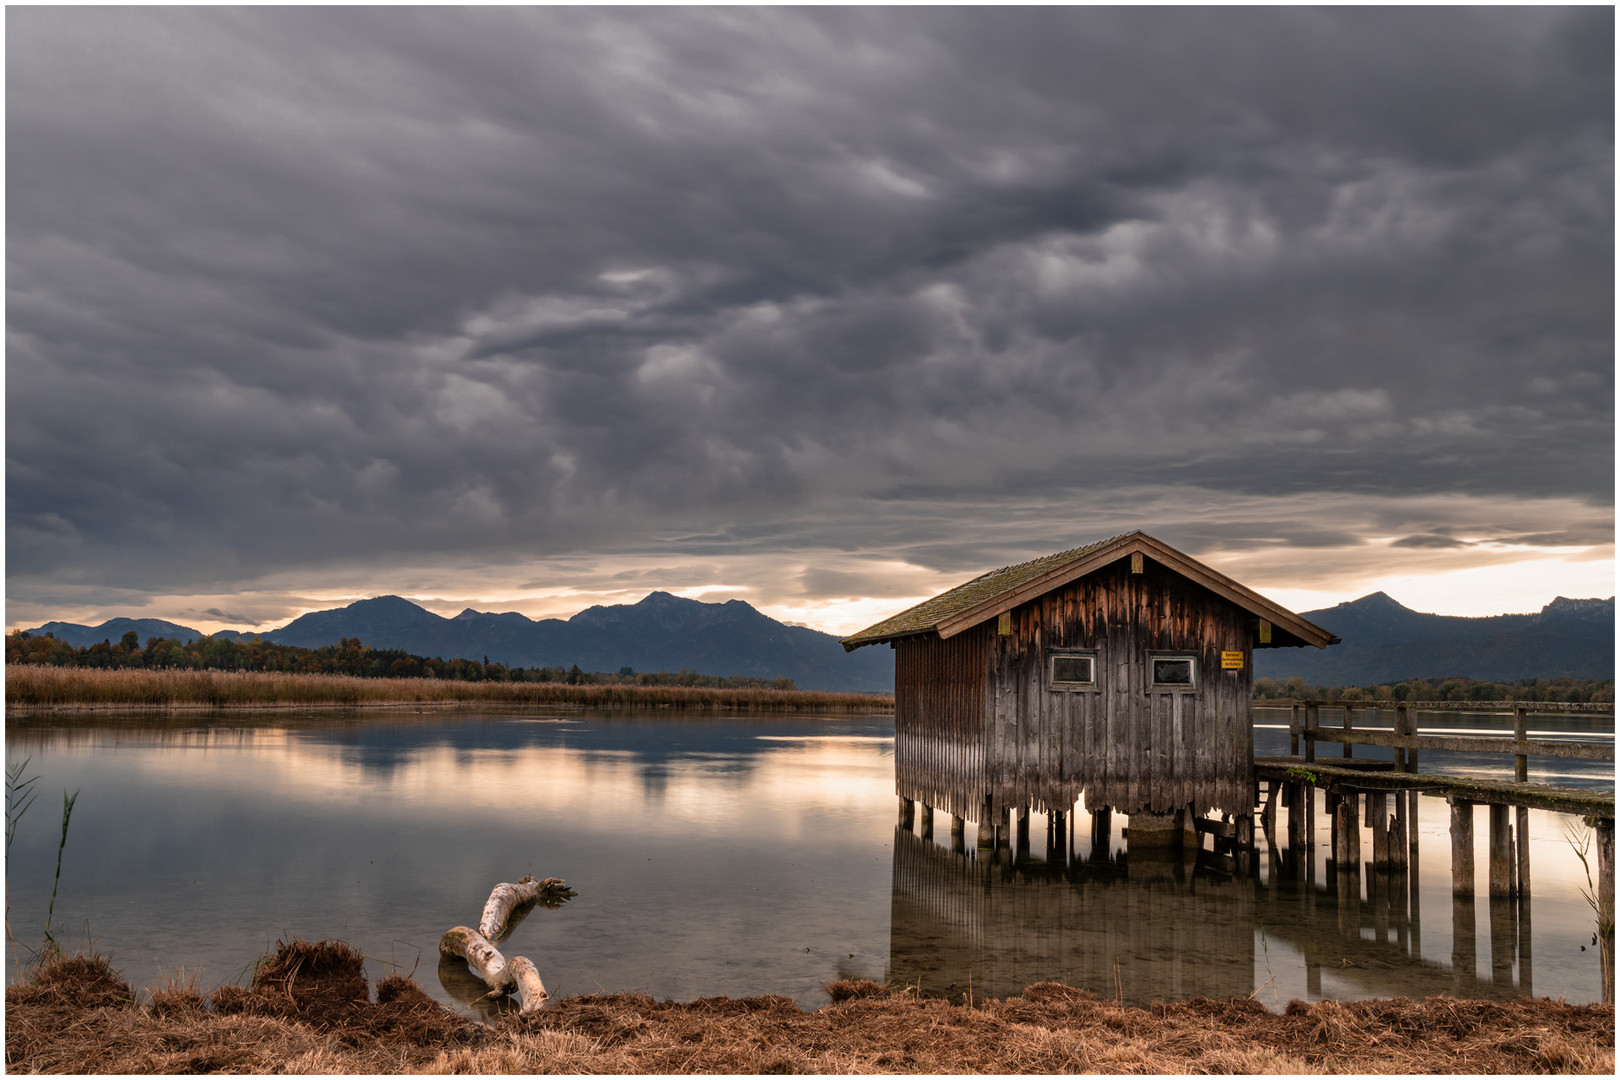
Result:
[[1169, 671], [1071, 671]]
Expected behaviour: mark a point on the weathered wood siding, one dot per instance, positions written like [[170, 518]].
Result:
[[940, 690], [1124, 744]]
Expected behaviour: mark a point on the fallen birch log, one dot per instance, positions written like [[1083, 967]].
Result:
[[532, 993], [507, 897], [481, 956]]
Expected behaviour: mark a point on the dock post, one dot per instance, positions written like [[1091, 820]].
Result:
[[927, 822], [958, 830], [1347, 829], [1412, 755], [1056, 834], [1403, 718], [1501, 848], [1521, 839], [1346, 750], [1378, 821], [1312, 718], [1297, 794], [1521, 724], [1397, 834], [1293, 730], [987, 827], [1021, 834], [908, 812], [1462, 850], [1605, 890]]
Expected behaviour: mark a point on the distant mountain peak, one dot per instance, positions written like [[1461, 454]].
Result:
[[1375, 602]]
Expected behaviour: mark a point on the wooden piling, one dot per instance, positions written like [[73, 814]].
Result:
[[908, 812], [1521, 725], [1298, 794], [1521, 838], [1462, 849], [1501, 849], [987, 827], [927, 821], [1293, 730], [1378, 821], [1021, 830], [1347, 750], [1312, 720], [1604, 828], [958, 832], [1403, 722]]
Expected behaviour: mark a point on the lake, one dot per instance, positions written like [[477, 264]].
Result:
[[734, 855]]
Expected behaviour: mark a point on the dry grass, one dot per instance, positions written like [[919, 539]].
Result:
[[307, 1011], [35, 686]]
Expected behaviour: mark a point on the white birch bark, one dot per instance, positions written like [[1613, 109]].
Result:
[[480, 955]]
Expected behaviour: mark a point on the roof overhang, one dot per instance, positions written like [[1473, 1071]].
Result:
[[1095, 558]]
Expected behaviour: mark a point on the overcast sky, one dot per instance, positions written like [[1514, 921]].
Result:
[[823, 309]]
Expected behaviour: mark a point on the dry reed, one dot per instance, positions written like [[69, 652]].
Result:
[[33, 686], [306, 1013]]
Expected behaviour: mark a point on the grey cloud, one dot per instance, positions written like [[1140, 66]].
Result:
[[301, 287], [1429, 540]]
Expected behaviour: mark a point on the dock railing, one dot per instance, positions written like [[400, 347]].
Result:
[[1305, 726]]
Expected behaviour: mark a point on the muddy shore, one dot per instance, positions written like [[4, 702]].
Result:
[[314, 1012]]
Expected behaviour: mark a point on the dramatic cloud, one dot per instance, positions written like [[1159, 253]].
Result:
[[820, 307]]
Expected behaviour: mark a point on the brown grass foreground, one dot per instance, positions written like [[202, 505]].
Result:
[[35, 686], [309, 1010]]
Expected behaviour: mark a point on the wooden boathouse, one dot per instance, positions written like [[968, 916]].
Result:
[[1122, 669]]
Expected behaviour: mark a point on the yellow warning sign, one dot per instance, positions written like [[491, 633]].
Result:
[[1232, 661]]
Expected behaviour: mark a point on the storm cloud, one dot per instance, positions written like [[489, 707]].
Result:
[[341, 296]]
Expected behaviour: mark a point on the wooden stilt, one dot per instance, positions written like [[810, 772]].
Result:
[[1352, 828], [958, 832], [1268, 814], [1397, 834], [1022, 832], [1501, 853], [1378, 820], [1298, 795], [927, 822], [1521, 839], [1605, 891], [1462, 849], [1312, 719], [987, 827], [908, 812]]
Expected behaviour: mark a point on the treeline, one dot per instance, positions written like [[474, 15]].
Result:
[[347, 657], [1442, 689]]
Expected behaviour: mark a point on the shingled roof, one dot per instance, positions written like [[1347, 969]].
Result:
[[992, 593]]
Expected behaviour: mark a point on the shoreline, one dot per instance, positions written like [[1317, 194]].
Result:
[[75, 1014]]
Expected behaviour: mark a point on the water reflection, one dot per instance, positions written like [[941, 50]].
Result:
[[713, 855]]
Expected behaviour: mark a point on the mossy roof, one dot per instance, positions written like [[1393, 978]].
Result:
[[991, 593]]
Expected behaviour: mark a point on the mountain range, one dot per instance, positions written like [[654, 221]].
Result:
[[1381, 641], [661, 632]]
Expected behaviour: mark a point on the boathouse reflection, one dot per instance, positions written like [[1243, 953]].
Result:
[[1137, 930]]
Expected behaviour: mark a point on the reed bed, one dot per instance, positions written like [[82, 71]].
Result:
[[308, 1010], [36, 686]]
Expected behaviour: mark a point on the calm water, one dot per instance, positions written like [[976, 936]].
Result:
[[717, 855]]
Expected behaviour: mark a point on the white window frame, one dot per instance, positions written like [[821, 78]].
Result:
[[1192, 663], [1052, 683]]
